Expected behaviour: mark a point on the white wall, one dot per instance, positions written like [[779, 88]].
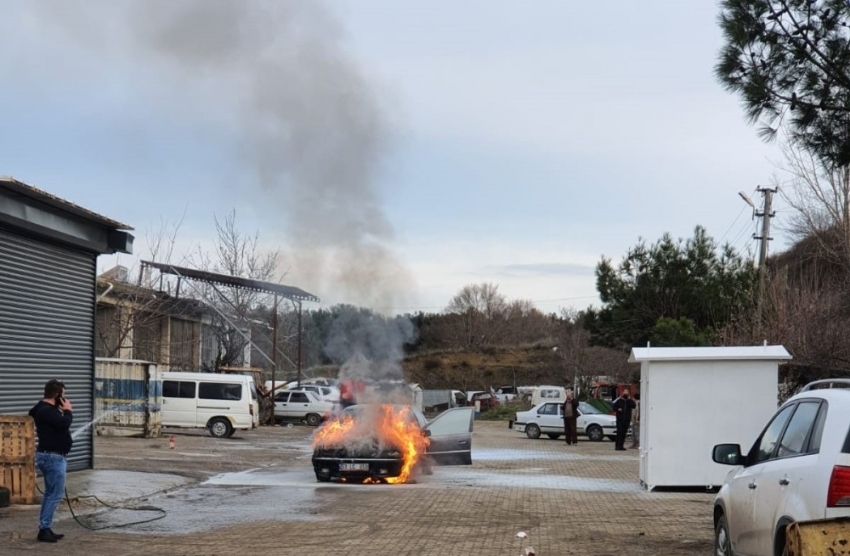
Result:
[[689, 406]]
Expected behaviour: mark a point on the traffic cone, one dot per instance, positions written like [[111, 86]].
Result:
[[171, 442]]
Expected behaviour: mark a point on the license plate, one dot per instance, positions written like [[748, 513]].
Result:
[[354, 467]]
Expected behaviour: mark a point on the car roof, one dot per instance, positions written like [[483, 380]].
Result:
[[836, 395]]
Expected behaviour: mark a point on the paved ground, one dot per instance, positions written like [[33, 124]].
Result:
[[255, 493]]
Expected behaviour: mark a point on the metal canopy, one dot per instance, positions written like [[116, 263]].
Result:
[[287, 292]]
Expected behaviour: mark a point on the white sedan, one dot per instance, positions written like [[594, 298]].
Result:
[[295, 405], [547, 418]]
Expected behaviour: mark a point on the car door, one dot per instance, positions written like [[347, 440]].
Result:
[[281, 405], [450, 435], [583, 418], [548, 418], [179, 406], [783, 474], [744, 486], [299, 405]]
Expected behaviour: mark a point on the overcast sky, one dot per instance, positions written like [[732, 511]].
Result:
[[506, 142]]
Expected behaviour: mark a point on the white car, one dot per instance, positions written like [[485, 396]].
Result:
[[547, 418], [798, 469], [324, 393], [292, 405]]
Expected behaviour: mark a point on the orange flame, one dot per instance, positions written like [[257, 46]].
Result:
[[392, 425], [333, 431]]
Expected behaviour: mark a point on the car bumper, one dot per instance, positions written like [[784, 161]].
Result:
[[356, 468], [519, 427]]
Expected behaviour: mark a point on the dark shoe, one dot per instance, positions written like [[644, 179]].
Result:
[[59, 536], [619, 449], [44, 535]]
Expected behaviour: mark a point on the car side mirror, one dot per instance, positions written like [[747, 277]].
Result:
[[727, 454], [426, 433]]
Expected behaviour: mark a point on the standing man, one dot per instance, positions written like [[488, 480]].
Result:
[[53, 419], [636, 422], [570, 410], [623, 406]]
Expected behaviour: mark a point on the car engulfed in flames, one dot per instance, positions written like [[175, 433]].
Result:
[[388, 443]]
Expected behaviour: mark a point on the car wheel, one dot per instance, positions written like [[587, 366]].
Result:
[[313, 419], [553, 436], [220, 428], [594, 433], [532, 431], [232, 431], [722, 543]]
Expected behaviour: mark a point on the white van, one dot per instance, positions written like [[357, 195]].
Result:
[[547, 394], [220, 403]]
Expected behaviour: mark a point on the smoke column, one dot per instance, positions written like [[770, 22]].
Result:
[[307, 121]]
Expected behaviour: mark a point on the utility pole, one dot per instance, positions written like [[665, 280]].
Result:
[[766, 214]]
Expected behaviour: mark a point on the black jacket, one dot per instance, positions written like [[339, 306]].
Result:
[[574, 404], [53, 427], [624, 408]]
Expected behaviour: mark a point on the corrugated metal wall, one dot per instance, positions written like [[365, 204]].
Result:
[[47, 330], [127, 398]]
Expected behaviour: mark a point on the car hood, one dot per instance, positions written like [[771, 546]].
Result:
[[366, 449]]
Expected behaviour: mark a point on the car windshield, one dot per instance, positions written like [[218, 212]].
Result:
[[588, 409], [357, 412]]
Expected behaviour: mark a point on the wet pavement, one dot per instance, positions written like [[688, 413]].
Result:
[[257, 492], [114, 487]]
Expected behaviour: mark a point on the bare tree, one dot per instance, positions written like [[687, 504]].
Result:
[[807, 314], [235, 254], [820, 200], [482, 311]]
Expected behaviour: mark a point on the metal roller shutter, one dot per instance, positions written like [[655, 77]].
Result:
[[47, 330]]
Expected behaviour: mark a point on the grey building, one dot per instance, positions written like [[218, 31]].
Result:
[[48, 255]]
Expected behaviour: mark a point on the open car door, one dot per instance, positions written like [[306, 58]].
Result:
[[451, 437]]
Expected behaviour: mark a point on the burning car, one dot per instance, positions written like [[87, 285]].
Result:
[[387, 443]]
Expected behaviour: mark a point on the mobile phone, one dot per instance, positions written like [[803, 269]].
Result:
[[60, 401]]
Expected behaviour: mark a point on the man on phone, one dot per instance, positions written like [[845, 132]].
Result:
[[53, 419], [623, 406]]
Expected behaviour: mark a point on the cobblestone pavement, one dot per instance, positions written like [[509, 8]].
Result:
[[255, 493]]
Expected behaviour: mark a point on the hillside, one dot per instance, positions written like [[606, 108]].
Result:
[[479, 369]]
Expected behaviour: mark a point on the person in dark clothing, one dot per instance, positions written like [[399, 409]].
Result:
[[53, 418], [623, 406], [570, 411]]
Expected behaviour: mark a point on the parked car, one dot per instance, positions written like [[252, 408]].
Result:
[[324, 393], [798, 469], [506, 394], [488, 400], [548, 418], [363, 453], [292, 405]]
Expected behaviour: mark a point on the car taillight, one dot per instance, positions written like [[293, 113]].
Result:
[[839, 487]]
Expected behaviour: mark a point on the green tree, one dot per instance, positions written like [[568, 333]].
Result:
[[679, 332], [789, 60], [690, 279]]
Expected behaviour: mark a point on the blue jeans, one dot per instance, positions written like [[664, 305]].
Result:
[[53, 468]]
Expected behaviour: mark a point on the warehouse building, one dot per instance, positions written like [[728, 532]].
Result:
[[48, 256]]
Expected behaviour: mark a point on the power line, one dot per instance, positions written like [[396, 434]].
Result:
[[731, 225]]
